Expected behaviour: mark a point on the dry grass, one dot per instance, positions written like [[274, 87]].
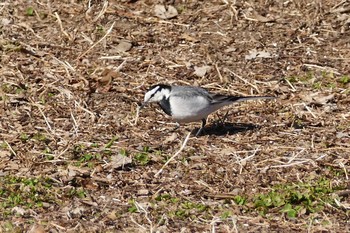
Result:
[[74, 157]]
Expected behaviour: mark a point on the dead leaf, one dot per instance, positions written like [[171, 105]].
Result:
[[106, 77], [317, 98], [189, 38], [165, 13], [230, 49], [104, 82], [4, 154], [256, 54], [201, 71], [78, 211], [340, 10], [112, 215], [123, 46], [261, 18], [5, 22], [18, 210], [76, 171], [342, 135], [118, 161], [37, 228], [323, 99], [90, 203], [12, 165], [252, 15], [143, 192], [227, 151], [170, 138]]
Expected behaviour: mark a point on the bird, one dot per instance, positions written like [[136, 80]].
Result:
[[190, 103]]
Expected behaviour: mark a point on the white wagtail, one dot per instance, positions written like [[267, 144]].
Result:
[[188, 103]]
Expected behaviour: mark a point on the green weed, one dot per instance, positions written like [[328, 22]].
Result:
[[142, 157], [132, 208], [110, 143], [293, 198], [239, 200], [30, 11], [24, 137], [344, 80], [25, 192], [77, 192]]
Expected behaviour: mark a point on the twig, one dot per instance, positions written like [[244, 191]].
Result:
[[250, 19], [141, 209], [337, 5], [296, 155], [120, 66], [117, 57], [321, 157], [58, 226], [289, 83], [133, 220], [290, 164], [65, 65], [42, 113], [201, 182], [239, 160], [137, 115], [168, 22], [103, 10], [99, 41], [251, 156], [346, 173], [85, 110], [245, 81], [147, 20], [61, 26], [309, 110], [325, 68], [75, 125], [178, 152], [212, 223], [234, 220], [12, 151], [217, 70]]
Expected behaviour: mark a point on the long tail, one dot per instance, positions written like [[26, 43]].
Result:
[[222, 98]]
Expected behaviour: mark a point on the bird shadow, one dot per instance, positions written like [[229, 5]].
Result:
[[220, 129]]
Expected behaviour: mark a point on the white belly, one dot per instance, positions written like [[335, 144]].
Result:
[[190, 110]]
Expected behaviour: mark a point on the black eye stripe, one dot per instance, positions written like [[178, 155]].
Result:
[[158, 88]]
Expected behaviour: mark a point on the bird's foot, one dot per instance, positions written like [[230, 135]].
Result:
[[201, 130]]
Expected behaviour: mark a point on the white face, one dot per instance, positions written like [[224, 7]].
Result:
[[156, 94]]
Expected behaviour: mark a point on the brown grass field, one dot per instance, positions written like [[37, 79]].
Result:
[[76, 156]]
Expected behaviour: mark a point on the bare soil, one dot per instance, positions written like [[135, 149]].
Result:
[[74, 156]]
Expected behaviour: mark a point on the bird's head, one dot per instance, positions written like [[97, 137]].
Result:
[[156, 93]]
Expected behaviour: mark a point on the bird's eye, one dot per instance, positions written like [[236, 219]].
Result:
[[154, 93]]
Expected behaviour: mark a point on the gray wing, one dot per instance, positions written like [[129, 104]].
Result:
[[216, 98], [195, 92], [190, 92]]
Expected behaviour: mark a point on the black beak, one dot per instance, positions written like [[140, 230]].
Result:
[[143, 105]]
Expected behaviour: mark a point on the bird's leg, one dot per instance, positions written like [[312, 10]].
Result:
[[224, 118], [177, 125], [221, 120], [204, 121]]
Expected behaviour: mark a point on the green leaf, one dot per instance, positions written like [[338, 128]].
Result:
[[110, 143], [142, 158], [239, 200], [292, 213], [344, 79], [30, 11]]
